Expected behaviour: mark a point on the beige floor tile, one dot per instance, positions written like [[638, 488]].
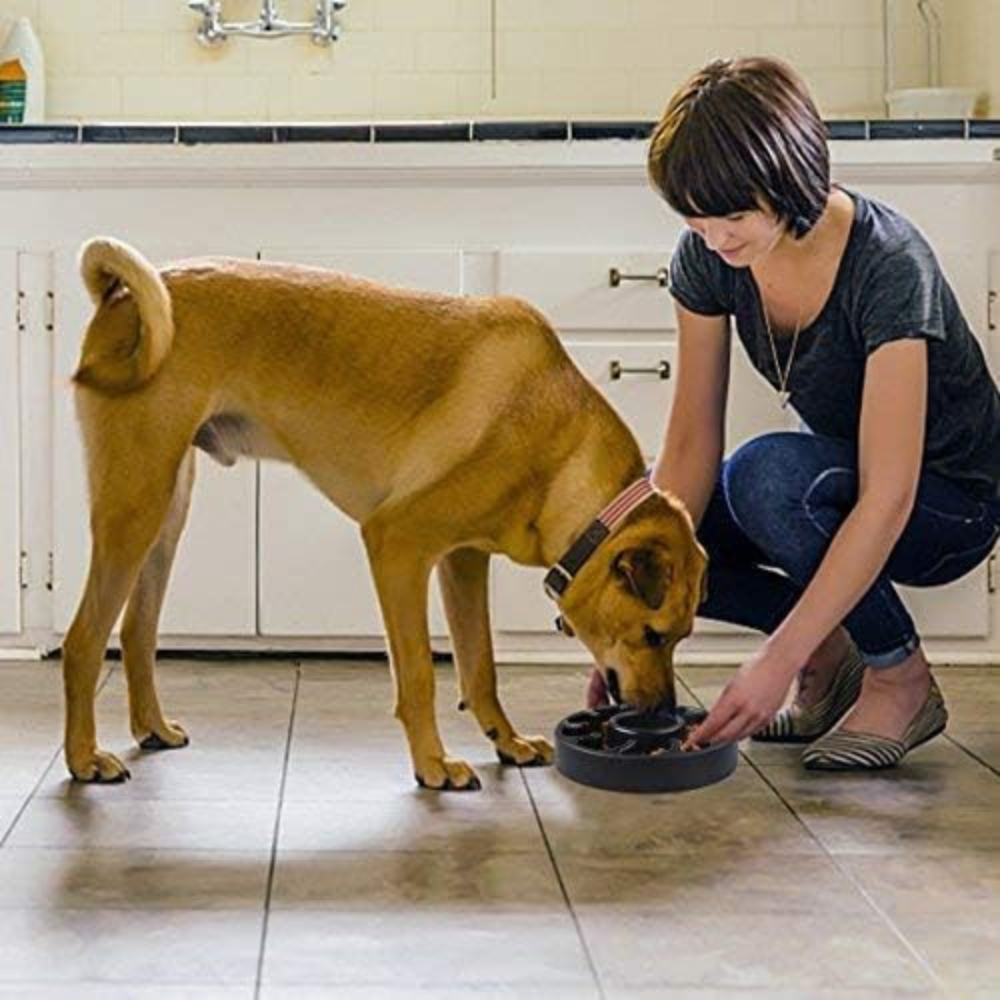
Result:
[[749, 820], [166, 947], [192, 773], [9, 808], [973, 698], [386, 775], [422, 948], [738, 952], [946, 906], [695, 887], [82, 821], [938, 801], [443, 881], [963, 950], [775, 992], [54, 879], [465, 822], [125, 991], [437, 991], [20, 772], [984, 746]]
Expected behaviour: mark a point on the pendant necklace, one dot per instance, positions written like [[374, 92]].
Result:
[[784, 393]]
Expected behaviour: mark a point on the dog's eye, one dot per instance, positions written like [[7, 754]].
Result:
[[654, 638]]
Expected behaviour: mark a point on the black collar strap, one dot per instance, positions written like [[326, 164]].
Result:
[[560, 576]]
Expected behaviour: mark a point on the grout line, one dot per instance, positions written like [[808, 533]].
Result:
[[273, 863], [971, 753], [48, 767], [562, 888]]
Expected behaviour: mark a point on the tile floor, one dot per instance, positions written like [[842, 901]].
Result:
[[287, 853]]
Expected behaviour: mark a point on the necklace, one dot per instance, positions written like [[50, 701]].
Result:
[[784, 393]]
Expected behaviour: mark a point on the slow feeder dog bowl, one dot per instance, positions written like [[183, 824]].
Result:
[[624, 750]]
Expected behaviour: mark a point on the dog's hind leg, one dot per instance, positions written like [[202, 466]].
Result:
[[142, 615], [464, 578], [127, 516], [402, 576]]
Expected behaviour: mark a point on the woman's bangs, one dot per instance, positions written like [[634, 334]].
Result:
[[699, 182]]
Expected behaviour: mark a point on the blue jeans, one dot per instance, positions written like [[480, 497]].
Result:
[[779, 501]]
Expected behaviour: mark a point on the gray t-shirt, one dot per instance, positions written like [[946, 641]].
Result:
[[889, 286]]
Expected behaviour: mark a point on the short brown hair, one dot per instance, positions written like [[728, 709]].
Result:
[[739, 134]]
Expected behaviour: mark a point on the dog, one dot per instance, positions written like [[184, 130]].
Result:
[[450, 428]]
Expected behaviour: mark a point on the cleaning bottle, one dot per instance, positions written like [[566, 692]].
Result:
[[22, 73]]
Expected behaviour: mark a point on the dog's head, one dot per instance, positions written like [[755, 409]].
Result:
[[636, 598]]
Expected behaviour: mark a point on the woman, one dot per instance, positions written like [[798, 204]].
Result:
[[843, 308]]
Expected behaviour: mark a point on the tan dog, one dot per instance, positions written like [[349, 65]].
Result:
[[449, 428]]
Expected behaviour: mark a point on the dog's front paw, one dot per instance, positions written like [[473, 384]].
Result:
[[166, 736], [524, 751], [446, 774], [100, 769]]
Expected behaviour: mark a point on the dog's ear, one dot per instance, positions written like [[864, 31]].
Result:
[[645, 573]]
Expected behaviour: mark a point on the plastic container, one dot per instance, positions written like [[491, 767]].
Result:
[[931, 102], [22, 74]]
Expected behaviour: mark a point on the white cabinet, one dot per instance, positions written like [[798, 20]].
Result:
[[212, 588], [10, 448], [313, 571]]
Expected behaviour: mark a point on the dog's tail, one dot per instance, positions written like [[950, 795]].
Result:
[[117, 359]]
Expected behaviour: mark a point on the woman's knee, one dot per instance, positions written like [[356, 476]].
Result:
[[786, 473]]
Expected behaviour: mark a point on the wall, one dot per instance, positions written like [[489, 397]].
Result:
[[139, 59]]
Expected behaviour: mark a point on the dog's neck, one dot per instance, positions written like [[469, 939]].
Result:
[[575, 497]]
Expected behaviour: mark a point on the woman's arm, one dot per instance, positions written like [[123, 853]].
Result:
[[890, 447], [688, 462]]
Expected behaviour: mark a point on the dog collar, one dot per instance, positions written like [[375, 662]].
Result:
[[561, 575]]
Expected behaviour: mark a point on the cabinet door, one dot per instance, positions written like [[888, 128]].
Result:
[[10, 448], [212, 586], [313, 571]]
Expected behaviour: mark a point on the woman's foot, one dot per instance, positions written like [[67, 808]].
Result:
[[890, 698], [816, 678], [828, 686], [899, 709]]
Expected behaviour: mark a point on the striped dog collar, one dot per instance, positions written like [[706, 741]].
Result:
[[561, 575]]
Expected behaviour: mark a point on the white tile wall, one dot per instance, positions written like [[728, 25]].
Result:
[[428, 59]]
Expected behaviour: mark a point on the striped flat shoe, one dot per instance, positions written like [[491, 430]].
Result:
[[841, 751], [803, 725]]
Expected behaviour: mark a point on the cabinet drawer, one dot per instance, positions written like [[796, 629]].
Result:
[[636, 378], [574, 288]]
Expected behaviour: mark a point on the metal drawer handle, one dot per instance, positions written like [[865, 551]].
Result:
[[661, 370], [661, 277]]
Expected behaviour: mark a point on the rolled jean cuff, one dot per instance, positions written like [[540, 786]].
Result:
[[893, 657]]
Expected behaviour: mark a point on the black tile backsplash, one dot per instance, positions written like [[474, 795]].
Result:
[[424, 132], [917, 128], [39, 133], [130, 133], [611, 130], [196, 134], [520, 131], [526, 131]]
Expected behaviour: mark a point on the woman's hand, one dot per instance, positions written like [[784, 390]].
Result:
[[748, 701]]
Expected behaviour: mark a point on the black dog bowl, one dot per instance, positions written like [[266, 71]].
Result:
[[624, 750]]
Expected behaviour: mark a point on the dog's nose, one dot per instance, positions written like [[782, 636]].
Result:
[[669, 703]]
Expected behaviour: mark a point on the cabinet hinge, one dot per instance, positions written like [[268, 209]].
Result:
[[990, 574], [991, 302], [22, 570], [24, 312], [50, 573]]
